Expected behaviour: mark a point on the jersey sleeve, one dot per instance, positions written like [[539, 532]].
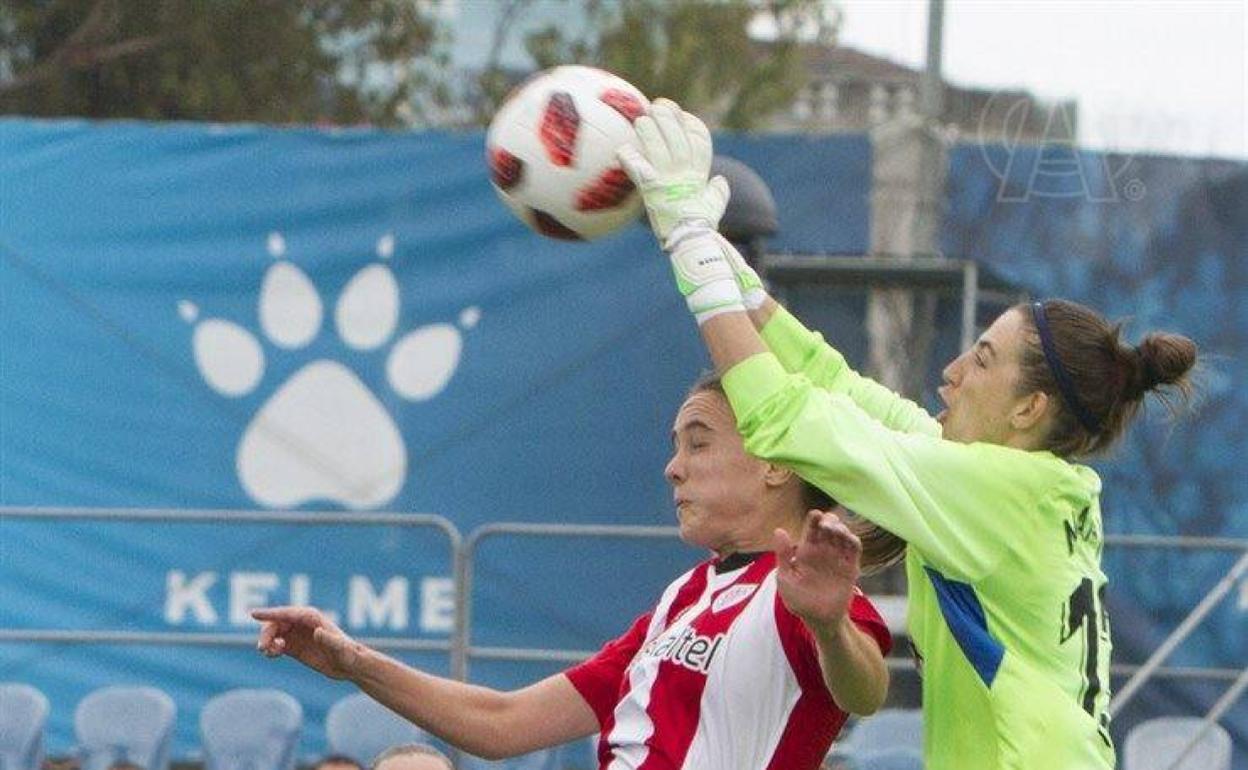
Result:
[[868, 620], [957, 504], [802, 651], [598, 679], [802, 351]]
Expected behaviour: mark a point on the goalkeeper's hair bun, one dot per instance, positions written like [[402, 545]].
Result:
[[1161, 359], [1095, 381]]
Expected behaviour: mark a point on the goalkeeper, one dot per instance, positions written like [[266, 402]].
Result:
[[1002, 526]]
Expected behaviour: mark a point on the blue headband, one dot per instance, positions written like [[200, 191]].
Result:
[[1059, 372]]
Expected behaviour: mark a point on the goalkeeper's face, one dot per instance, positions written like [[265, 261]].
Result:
[[721, 493], [980, 388]]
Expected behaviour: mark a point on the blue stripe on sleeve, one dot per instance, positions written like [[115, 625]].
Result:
[[965, 617]]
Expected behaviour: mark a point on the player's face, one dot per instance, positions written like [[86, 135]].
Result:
[[980, 390], [716, 486]]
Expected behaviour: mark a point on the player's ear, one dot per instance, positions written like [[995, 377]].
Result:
[[777, 475], [1028, 411]]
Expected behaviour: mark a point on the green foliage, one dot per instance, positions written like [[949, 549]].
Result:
[[275, 61], [697, 52]]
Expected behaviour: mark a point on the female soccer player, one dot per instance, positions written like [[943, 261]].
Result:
[[1003, 528], [750, 659]]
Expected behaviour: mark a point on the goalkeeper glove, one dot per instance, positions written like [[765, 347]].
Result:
[[704, 271], [753, 292], [670, 168]]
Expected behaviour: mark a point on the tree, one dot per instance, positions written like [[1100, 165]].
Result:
[[698, 52], [280, 61]]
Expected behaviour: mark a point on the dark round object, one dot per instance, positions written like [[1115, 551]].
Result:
[[751, 212]]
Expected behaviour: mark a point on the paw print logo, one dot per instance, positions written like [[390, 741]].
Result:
[[322, 434]]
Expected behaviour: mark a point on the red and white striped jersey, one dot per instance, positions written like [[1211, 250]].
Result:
[[719, 676]]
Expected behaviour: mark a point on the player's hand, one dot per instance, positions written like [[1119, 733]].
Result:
[[671, 167], [308, 636], [817, 574]]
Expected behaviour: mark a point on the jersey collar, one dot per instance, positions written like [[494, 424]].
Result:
[[735, 561]]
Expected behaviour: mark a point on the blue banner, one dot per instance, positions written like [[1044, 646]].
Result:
[[206, 577], [237, 317], [240, 317]]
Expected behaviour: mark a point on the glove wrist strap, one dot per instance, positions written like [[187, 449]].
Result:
[[715, 298], [753, 298]]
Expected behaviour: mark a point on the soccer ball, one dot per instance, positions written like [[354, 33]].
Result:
[[551, 150]]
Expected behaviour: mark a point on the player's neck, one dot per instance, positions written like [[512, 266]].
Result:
[[762, 537]]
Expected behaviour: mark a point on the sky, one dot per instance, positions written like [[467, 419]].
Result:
[[1158, 76], [1149, 75]]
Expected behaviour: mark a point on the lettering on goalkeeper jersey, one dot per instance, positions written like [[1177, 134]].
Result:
[[1081, 528], [687, 649]]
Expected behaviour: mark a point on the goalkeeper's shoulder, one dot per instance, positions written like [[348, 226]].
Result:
[[1015, 477]]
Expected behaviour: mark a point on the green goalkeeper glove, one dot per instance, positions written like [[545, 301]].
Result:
[[670, 168]]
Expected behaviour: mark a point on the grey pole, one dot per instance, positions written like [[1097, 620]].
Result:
[[930, 97], [970, 301]]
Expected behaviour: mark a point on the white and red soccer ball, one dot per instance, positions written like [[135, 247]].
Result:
[[551, 150]]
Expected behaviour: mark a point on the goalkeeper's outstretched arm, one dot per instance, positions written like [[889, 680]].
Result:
[[802, 351]]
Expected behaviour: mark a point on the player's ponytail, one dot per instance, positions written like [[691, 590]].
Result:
[[880, 548], [1096, 382]]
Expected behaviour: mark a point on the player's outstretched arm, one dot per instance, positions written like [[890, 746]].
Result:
[[816, 576], [479, 720], [670, 166], [800, 350], [758, 303]]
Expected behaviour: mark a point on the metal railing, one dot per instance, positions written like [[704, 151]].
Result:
[[465, 580], [1153, 666], [464, 556], [1150, 667], [1140, 674]]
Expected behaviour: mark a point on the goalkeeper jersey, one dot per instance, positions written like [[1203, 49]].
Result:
[[1006, 593]]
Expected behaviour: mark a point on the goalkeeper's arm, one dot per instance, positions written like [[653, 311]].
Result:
[[754, 296]]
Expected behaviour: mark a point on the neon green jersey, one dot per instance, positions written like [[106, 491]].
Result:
[[1006, 606]]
